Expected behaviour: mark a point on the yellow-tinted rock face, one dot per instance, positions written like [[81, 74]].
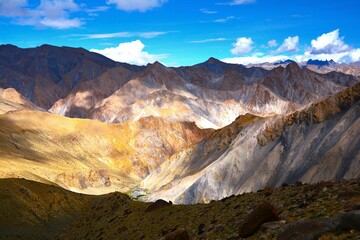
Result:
[[87, 155]]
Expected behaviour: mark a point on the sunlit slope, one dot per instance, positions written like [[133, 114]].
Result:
[[11, 100], [87, 155]]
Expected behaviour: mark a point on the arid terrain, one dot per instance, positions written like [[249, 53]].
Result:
[[260, 152]]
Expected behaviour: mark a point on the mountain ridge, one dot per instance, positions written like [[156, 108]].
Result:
[[77, 83]]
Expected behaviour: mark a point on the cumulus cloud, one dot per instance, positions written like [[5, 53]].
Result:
[[330, 46], [272, 43], [49, 13], [329, 43], [130, 52], [290, 44], [355, 55], [242, 45], [325, 47], [136, 5]]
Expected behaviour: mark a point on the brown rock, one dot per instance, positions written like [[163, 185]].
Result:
[[306, 229], [157, 205], [178, 234], [262, 213], [219, 228], [348, 195], [350, 220]]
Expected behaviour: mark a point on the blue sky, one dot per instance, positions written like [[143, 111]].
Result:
[[184, 32]]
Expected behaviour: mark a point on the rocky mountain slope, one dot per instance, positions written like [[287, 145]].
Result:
[[331, 66], [141, 124], [317, 143], [319, 66], [45, 74], [87, 155], [211, 94], [80, 84], [327, 210]]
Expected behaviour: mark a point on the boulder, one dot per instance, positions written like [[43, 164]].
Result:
[[158, 204], [178, 234], [306, 229], [262, 213]]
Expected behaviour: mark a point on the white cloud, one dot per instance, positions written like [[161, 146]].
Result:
[[290, 44], [255, 59], [136, 5], [209, 40], [93, 12], [49, 13], [330, 46], [238, 2], [325, 47], [224, 20], [206, 11], [355, 55], [121, 35], [242, 45], [13, 8], [130, 52], [97, 9], [329, 43], [61, 23], [272, 43]]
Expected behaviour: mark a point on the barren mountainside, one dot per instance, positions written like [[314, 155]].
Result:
[[81, 84], [310, 145], [87, 155]]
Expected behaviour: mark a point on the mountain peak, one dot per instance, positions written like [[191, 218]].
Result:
[[213, 60], [293, 66], [155, 64]]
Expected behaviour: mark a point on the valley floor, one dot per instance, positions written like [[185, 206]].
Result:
[[327, 210]]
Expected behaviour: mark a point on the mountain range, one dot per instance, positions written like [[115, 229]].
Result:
[[191, 134]]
